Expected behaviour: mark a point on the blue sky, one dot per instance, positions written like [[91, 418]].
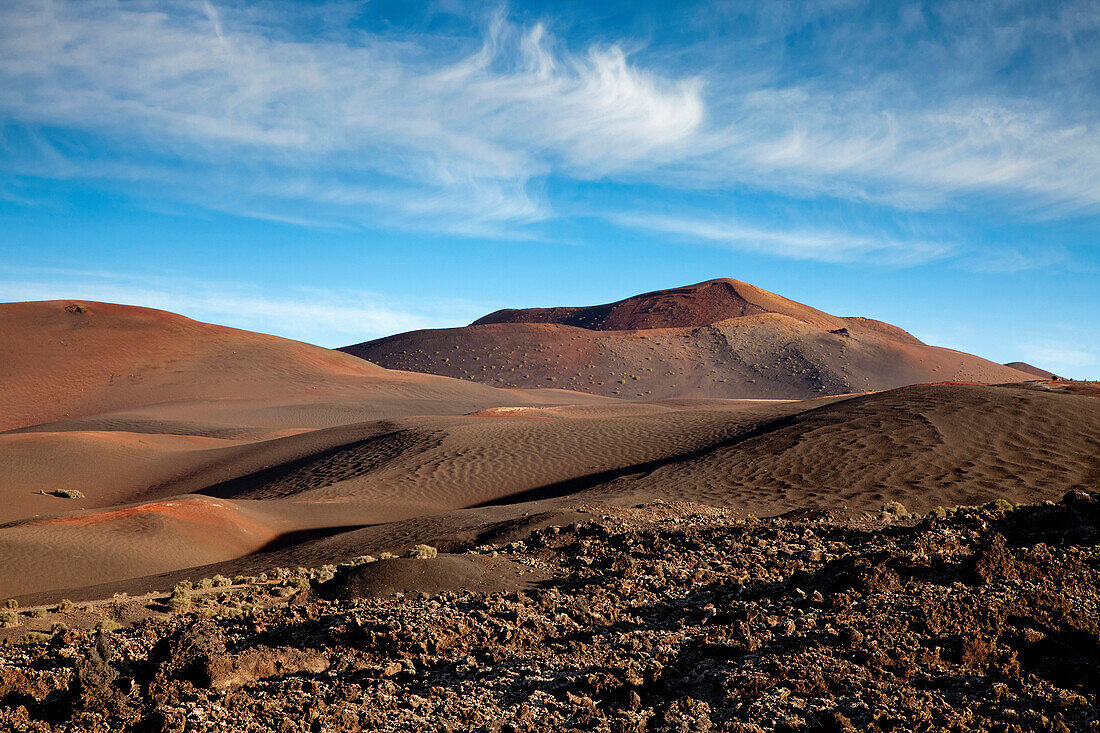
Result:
[[340, 171]]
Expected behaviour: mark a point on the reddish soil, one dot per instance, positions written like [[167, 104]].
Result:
[[225, 449], [721, 338], [1023, 366], [598, 563], [695, 305]]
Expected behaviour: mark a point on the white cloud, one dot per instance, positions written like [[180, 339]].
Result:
[[810, 244], [221, 106], [1059, 358], [392, 124], [328, 317], [862, 146]]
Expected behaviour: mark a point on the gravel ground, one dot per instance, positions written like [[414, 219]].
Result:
[[658, 618]]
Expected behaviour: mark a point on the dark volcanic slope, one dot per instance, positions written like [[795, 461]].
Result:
[[722, 338], [924, 446]]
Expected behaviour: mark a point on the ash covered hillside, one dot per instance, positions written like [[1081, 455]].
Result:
[[720, 338]]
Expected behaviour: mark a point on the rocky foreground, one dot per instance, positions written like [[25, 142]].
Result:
[[663, 617]]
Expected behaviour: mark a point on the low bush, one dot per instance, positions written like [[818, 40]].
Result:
[[1000, 505], [424, 552], [180, 600], [106, 624], [894, 510], [67, 493]]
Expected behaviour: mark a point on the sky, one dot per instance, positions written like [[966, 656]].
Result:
[[339, 171]]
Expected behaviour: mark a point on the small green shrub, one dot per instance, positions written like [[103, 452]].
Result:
[[106, 624], [9, 619], [65, 606], [386, 556], [233, 611], [894, 510], [423, 552], [1000, 505], [180, 600], [37, 613], [11, 603], [67, 493], [34, 637]]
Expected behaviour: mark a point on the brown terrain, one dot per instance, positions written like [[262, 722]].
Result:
[[663, 617], [358, 546], [1023, 366], [721, 338]]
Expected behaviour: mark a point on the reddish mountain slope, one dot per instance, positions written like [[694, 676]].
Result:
[[1023, 366], [694, 305], [721, 338], [67, 359]]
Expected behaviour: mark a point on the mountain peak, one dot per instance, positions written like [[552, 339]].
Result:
[[701, 304]]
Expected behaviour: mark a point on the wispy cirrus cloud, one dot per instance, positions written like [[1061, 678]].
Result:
[[824, 245], [363, 123], [226, 107], [859, 147], [1061, 358]]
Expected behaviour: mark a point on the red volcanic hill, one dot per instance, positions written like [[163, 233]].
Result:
[[69, 359], [135, 442], [694, 305], [1035, 371], [720, 338]]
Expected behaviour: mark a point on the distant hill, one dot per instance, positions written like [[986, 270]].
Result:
[[69, 359], [695, 305], [720, 338], [1023, 366]]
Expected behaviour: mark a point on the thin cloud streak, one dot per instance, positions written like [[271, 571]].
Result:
[[1057, 357], [806, 244], [329, 317]]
